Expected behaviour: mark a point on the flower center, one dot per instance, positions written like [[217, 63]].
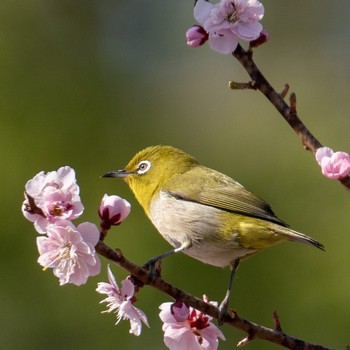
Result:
[[67, 261], [198, 322], [64, 251], [59, 258], [59, 208], [232, 15]]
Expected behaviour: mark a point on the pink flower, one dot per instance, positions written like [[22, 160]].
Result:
[[188, 329], [56, 194], [113, 210], [70, 251], [228, 21], [121, 302], [196, 36], [334, 165]]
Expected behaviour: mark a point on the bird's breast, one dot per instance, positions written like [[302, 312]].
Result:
[[180, 221]]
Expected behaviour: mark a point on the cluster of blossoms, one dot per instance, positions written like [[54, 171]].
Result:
[[51, 202], [224, 23], [334, 165]]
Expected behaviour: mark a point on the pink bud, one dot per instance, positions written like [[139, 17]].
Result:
[[196, 36], [180, 311], [262, 39], [113, 210]]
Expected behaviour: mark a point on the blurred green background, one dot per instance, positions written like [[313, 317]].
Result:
[[89, 83]]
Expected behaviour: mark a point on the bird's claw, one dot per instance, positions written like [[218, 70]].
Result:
[[153, 266], [222, 311]]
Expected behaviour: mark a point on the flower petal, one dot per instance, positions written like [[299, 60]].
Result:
[[323, 152], [224, 42], [128, 289], [89, 232], [202, 10], [248, 31]]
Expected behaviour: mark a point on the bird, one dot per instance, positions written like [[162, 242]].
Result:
[[202, 212]]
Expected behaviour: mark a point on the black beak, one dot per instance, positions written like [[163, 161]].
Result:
[[117, 173]]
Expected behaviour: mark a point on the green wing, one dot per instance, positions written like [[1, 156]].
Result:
[[209, 187]]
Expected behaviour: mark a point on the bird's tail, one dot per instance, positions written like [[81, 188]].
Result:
[[299, 237]]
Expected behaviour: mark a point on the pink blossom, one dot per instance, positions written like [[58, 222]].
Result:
[[228, 21], [188, 329], [334, 165], [121, 302], [70, 251], [196, 36], [56, 195], [113, 210]]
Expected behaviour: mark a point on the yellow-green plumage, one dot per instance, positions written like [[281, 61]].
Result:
[[203, 212]]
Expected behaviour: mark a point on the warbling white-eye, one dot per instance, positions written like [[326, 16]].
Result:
[[202, 212]]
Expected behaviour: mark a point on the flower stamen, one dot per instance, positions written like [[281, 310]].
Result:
[[233, 17]]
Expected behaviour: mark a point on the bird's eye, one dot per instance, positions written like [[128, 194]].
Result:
[[143, 167]]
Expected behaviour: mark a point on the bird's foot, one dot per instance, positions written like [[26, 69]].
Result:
[[223, 311], [153, 266]]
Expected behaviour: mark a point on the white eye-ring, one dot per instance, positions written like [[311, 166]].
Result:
[[143, 167]]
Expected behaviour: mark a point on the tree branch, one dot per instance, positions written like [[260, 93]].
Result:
[[253, 330], [289, 113]]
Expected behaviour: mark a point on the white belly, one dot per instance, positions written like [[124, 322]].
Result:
[[180, 221]]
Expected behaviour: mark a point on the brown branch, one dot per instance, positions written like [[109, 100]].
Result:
[[253, 330], [289, 113]]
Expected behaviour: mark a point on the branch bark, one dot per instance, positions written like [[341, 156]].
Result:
[[253, 330]]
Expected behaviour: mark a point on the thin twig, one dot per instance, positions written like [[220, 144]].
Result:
[[234, 85], [276, 321], [285, 91], [289, 113]]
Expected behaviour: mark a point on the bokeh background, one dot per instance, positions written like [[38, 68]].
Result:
[[89, 83]]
